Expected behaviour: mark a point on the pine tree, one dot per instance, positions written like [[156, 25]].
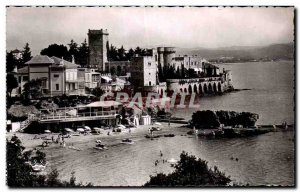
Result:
[[26, 54], [83, 54]]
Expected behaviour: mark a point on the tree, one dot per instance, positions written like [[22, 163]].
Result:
[[19, 171], [57, 51], [32, 89], [26, 54], [11, 62], [182, 71], [98, 92], [129, 54], [11, 83], [190, 171], [73, 50], [83, 51]]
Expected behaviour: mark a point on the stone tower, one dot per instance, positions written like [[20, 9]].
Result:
[[98, 42]]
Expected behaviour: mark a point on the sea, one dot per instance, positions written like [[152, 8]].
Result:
[[266, 159]]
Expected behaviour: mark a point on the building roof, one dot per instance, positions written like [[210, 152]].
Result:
[[16, 51], [40, 59], [23, 70], [104, 104], [65, 63]]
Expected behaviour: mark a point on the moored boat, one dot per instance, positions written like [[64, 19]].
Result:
[[127, 141]]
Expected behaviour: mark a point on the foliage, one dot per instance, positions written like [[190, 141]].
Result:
[[212, 119], [19, 173], [120, 54], [11, 83], [190, 171], [98, 92], [11, 62], [83, 54], [205, 119], [26, 54], [57, 51], [80, 52], [32, 89]]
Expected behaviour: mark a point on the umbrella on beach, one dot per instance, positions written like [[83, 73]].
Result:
[[68, 130], [87, 128], [121, 126], [47, 131], [80, 130]]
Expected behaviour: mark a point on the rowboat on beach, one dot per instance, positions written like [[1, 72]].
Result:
[[100, 146], [172, 161], [127, 141], [38, 167]]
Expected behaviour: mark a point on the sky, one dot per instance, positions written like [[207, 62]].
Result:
[[188, 27]]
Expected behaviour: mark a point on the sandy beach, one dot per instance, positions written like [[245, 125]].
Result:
[[81, 141]]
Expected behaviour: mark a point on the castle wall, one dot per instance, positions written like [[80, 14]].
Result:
[[211, 85]]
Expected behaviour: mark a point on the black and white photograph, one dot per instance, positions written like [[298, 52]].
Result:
[[150, 96]]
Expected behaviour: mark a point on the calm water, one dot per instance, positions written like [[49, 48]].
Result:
[[263, 160], [271, 95]]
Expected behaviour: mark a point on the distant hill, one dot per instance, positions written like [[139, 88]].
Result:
[[243, 53]]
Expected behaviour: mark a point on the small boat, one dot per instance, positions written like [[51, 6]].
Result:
[[127, 141], [156, 129], [172, 161], [100, 147], [152, 136], [169, 135], [38, 167]]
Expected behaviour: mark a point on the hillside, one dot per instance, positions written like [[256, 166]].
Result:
[[243, 53]]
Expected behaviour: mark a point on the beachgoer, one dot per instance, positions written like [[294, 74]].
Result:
[[161, 154], [52, 138], [129, 130], [108, 133], [64, 144]]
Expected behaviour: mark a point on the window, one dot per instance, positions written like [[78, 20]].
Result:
[[149, 64], [149, 73], [57, 87], [56, 75], [44, 83], [25, 78]]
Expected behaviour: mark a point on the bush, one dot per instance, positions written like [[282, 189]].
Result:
[[190, 171], [19, 173], [212, 119]]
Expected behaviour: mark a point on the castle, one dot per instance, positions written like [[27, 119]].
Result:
[[144, 69], [193, 73]]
